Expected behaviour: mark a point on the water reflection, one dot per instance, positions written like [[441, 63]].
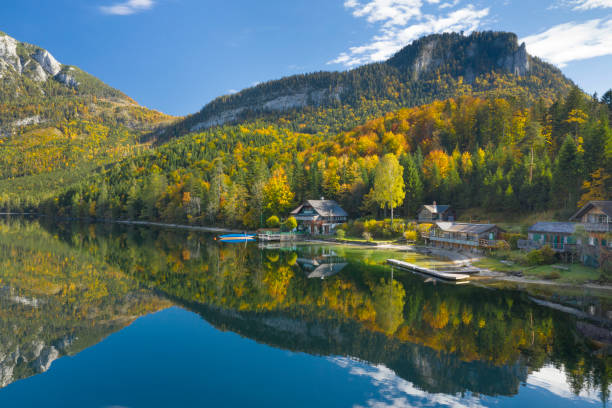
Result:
[[320, 262], [439, 341]]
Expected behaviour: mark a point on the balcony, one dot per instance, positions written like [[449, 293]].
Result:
[[597, 227], [453, 241], [529, 245]]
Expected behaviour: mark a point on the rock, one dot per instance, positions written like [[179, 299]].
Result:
[[8, 52], [47, 62], [67, 80]]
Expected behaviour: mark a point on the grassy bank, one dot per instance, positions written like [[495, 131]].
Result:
[[560, 272]]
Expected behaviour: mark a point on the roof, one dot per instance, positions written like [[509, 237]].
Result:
[[325, 208], [436, 209], [465, 227], [557, 227], [604, 206]]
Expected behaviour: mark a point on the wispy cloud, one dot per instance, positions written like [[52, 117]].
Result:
[[572, 41], [403, 21], [590, 4], [128, 7]]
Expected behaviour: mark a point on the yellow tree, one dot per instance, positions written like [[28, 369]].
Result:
[[388, 190], [276, 193], [597, 188]]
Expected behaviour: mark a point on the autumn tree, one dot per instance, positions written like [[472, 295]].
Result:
[[388, 190], [277, 194], [598, 188]]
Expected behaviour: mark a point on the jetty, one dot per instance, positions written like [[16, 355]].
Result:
[[457, 274]]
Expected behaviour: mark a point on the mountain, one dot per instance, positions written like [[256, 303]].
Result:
[[58, 122], [438, 66], [30, 71]]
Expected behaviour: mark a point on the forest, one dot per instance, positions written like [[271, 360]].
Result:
[[471, 152]]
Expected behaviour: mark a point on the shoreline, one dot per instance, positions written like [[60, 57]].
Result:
[[455, 257]]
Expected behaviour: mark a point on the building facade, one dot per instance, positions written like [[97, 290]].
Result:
[[434, 212], [465, 236], [319, 217], [596, 220]]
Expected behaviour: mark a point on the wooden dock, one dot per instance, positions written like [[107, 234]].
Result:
[[449, 275]]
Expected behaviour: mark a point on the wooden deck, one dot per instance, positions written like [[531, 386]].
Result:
[[450, 275]]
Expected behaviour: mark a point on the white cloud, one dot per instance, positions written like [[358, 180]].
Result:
[[555, 381], [128, 7], [591, 4], [572, 41], [232, 91], [396, 392], [403, 21]]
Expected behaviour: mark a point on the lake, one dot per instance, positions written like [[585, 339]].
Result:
[[107, 315]]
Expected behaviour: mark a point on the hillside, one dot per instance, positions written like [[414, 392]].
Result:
[[470, 152], [58, 123], [432, 68]]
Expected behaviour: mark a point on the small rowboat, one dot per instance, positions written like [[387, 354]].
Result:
[[236, 237]]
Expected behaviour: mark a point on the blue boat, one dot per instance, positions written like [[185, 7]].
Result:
[[236, 237]]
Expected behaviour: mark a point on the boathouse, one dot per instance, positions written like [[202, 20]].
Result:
[[434, 212], [465, 236], [319, 216]]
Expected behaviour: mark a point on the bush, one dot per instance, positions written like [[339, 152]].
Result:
[[340, 233], [411, 235], [543, 256], [552, 275], [273, 222], [513, 239], [367, 236], [290, 224]]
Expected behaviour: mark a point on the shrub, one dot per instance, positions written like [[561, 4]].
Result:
[[543, 256], [291, 223], [552, 275], [411, 235], [513, 239], [273, 222], [340, 233], [367, 236]]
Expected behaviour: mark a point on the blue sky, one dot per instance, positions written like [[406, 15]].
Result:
[[177, 55]]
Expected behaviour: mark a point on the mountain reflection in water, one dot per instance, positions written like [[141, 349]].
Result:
[[65, 287]]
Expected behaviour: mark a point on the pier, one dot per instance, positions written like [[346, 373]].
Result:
[[459, 274]]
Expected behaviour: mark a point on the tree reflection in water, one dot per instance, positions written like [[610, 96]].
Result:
[[440, 338]]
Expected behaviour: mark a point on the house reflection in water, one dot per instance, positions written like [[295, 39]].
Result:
[[322, 265]]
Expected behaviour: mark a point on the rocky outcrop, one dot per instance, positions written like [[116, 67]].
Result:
[[276, 102], [47, 62], [67, 80], [8, 52]]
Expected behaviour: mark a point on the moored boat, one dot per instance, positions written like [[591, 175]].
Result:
[[236, 237]]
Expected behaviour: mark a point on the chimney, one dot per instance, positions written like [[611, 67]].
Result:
[[435, 206]]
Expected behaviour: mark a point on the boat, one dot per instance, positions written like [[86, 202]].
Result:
[[236, 237]]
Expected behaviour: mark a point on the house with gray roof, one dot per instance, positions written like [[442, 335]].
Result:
[[319, 216], [595, 218], [434, 212], [461, 235], [560, 236]]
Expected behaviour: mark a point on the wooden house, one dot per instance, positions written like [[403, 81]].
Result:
[[596, 219], [560, 236], [464, 236], [434, 212], [319, 216]]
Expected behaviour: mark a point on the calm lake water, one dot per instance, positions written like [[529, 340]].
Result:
[[115, 316]]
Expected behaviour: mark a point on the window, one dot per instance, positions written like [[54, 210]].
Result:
[[591, 241]]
